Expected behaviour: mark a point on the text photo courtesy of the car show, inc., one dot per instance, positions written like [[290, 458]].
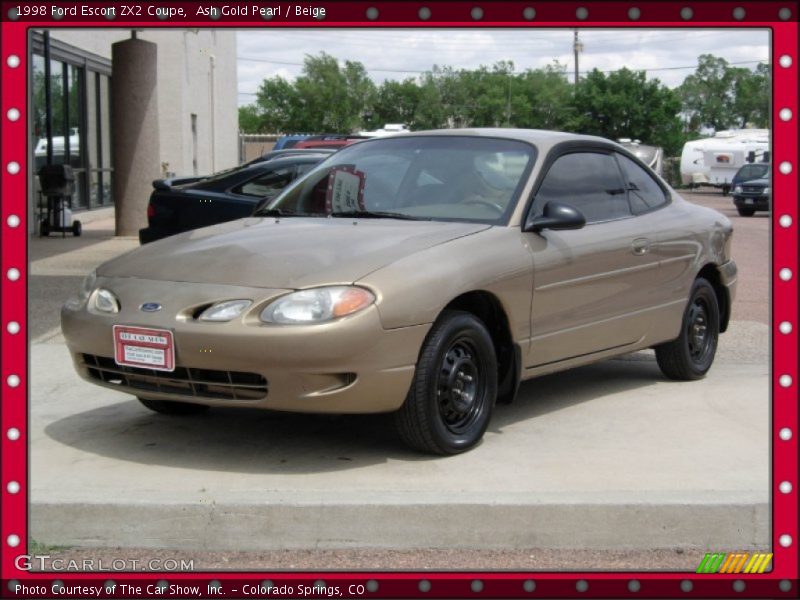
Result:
[[335, 309]]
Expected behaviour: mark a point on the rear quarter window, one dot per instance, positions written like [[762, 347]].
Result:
[[644, 193]]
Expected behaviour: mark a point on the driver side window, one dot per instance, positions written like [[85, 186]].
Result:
[[589, 181]]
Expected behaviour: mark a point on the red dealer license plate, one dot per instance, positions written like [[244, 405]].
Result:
[[144, 347]]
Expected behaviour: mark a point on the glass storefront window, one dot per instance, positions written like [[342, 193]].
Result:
[[38, 132], [92, 129], [80, 128], [74, 99], [105, 138]]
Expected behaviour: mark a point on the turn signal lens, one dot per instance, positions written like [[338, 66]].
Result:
[[352, 300], [225, 311]]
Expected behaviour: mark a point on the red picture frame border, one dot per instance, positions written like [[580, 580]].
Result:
[[781, 581]]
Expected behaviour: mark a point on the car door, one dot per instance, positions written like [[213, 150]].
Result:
[[590, 291]]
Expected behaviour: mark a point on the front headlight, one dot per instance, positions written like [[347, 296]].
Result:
[[766, 191], [737, 189], [224, 311], [87, 287], [318, 305]]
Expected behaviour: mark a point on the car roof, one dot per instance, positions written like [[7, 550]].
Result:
[[538, 137]]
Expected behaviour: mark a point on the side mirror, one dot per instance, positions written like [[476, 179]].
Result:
[[556, 215]]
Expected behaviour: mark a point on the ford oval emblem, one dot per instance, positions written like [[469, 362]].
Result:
[[150, 307]]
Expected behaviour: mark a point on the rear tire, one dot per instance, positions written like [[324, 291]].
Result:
[[168, 407], [690, 356], [745, 212], [44, 228], [454, 390], [76, 228]]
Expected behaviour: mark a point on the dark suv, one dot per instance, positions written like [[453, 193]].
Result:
[[751, 188]]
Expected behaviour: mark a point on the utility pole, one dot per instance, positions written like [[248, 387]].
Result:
[[577, 47]]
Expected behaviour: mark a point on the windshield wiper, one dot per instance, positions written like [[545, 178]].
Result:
[[374, 214]]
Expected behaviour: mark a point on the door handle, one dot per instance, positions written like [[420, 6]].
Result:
[[640, 246]]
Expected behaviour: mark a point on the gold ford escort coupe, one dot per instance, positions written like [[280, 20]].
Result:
[[426, 275]]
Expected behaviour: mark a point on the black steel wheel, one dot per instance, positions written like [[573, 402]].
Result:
[[168, 407], [454, 390], [690, 355]]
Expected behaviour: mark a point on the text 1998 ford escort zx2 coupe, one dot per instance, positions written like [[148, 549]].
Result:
[[426, 274]]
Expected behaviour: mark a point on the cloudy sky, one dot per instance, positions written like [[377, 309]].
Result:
[[668, 55]]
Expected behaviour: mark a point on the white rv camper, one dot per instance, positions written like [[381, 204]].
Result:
[[715, 160]]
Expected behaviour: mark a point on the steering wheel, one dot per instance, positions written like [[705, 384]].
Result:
[[483, 202]]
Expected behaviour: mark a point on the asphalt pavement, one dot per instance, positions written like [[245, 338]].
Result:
[[609, 457]]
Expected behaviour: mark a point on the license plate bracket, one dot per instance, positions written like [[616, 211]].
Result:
[[144, 347]]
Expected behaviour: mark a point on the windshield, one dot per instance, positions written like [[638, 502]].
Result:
[[755, 171], [451, 178]]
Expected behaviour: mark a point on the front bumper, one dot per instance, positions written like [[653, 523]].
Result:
[[352, 365], [754, 201]]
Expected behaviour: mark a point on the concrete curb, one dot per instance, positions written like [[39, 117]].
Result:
[[256, 527]]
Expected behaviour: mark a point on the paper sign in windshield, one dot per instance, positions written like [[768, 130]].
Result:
[[345, 190]]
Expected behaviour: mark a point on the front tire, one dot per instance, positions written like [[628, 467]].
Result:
[[168, 407], [690, 356], [454, 390]]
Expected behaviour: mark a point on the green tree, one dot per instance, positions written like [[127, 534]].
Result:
[[276, 106], [751, 96], [706, 93], [546, 96], [250, 119], [431, 112], [720, 96], [396, 102], [331, 98], [625, 104]]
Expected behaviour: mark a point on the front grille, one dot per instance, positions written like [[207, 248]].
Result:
[[750, 189], [183, 381]]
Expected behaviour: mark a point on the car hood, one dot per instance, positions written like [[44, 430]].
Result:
[[759, 182], [284, 253]]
